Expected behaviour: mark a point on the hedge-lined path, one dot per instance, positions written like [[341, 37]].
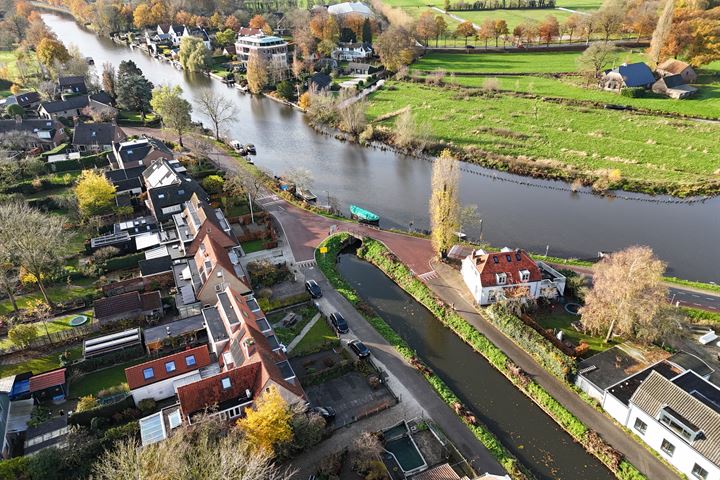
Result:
[[449, 286]]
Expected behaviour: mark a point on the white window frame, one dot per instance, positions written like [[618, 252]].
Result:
[[501, 278]]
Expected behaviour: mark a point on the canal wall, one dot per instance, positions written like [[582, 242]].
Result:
[[378, 255]]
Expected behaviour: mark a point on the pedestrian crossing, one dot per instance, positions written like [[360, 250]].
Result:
[[306, 264], [432, 274]]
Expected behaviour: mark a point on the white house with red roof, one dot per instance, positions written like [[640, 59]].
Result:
[[492, 277]]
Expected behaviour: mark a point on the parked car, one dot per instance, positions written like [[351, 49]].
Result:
[[339, 323], [313, 289], [359, 349], [328, 413]]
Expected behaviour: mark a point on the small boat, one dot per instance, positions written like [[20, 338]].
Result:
[[90, 60], [363, 215], [305, 195], [250, 148], [238, 147]]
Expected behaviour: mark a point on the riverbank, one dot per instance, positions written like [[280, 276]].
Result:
[[383, 259], [534, 136]]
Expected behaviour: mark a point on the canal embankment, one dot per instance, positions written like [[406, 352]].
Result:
[[520, 382]]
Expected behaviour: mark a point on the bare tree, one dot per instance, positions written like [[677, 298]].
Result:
[[301, 177], [203, 450], [444, 204], [409, 133], [662, 31], [9, 281], [35, 239], [352, 114], [628, 296], [596, 57], [217, 108], [244, 185]]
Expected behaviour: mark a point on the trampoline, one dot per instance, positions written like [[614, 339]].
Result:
[[78, 320]]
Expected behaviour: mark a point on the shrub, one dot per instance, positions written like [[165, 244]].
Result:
[[129, 430], [15, 468], [23, 334], [146, 405], [86, 403], [266, 274], [633, 92]]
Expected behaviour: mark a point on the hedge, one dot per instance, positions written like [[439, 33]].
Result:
[[120, 263], [109, 359], [14, 468], [539, 347], [92, 161], [377, 254], [106, 411]]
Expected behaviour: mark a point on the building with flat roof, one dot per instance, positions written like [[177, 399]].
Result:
[[273, 49]]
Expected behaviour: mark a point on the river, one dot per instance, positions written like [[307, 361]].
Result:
[[533, 437], [396, 187]]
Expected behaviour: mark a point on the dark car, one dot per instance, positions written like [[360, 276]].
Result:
[[359, 349], [338, 322], [328, 413], [313, 289]]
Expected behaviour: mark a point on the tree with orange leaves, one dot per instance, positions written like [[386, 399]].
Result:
[[258, 21], [694, 36]]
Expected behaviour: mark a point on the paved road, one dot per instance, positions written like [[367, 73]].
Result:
[[414, 383]]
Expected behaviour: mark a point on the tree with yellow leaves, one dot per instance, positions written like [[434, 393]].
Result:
[[444, 203], [95, 194], [268, 424]]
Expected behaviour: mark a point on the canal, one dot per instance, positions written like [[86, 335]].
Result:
[[533, 437], [396, 187]]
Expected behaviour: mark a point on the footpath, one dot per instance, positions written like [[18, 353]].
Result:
[[449, 286]]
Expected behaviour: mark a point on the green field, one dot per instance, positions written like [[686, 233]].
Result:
[[319, 335], [38, 364], [556, 62], [92, 383], [563, 321], [568, 140]]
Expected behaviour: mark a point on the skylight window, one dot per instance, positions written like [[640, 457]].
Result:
[[226, 383], [190, 360], [508, 257], [170, 367], [495, 259], [148, 373]]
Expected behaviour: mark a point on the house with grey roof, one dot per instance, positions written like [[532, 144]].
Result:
[[628, 75], [69, 108], [680, 419], [71, 85], [674, 86], [95, 137], [45, 133], [141, 152]]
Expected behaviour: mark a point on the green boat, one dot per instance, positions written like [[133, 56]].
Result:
[[363, 215]]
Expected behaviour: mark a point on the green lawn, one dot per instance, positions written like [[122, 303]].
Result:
[[253, 246], [562, 321], [57, 293], [53, 326], [287, 334], [135, 116], [706, 103], [555, 62], [651, 153], [92, 383], [38, 364], [318, 336]]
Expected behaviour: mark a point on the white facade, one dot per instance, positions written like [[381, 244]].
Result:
[[164, 388], [273, 49], [351, 52], [684, 457], [488, 294]]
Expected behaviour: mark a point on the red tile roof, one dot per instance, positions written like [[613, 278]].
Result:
[[47, 380], [510, 263], [260, 351], [134, 374], [218, 256], [441, 472], [209, 391]]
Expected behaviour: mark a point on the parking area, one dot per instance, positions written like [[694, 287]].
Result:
[[352, 397]]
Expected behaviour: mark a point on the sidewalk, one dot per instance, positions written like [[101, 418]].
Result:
[[450, 287], [303, 332]]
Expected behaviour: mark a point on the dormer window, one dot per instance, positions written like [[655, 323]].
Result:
[[679, 425], [525, 275], [501, 278]]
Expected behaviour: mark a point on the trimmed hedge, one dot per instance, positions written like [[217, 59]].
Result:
[[120, 263], [539, 347], [91, 161], [109, 359], [377, 254], [106, 412]]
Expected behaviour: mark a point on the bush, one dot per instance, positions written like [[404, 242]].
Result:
[[263, 273], [15, 468], [86, 403], [121, 263], [23, 334], [109, 359], [146, 405], [539, 347], [106, 411], [129, 430], [633, 92]]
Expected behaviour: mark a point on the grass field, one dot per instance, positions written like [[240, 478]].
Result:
[[38, 364], [570, 138], [57, 293], [563, 322], [556, 62], [318, 335], [53, 326], [92, 383]]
